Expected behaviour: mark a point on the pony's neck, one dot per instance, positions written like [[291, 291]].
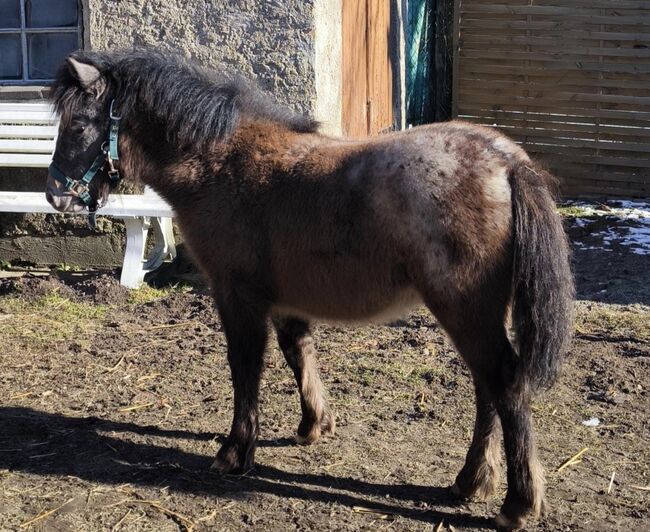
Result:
[[253, 152]]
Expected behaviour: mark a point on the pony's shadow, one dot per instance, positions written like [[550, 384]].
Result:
[[41, 443]]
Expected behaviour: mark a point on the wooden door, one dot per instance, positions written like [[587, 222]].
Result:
[[367, 70]]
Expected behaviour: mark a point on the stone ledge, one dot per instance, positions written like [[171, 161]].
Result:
[[23, 92], [85, 251]]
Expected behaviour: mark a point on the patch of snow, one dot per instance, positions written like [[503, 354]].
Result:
[[591, 422], [629, 227]]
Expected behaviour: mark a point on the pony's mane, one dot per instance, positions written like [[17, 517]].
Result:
[[197, 105]]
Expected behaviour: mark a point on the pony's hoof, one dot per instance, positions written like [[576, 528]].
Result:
[[312, 433], [312, 436], [228, 462], [503, 522], [481, 492], [456, 492]]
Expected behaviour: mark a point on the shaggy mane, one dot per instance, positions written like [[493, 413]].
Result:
[[196, 105]]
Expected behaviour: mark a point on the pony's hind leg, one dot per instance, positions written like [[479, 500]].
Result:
[[479, 477], [245, 325], [297, 346], [495, 372], [479, 334], [525, 497]]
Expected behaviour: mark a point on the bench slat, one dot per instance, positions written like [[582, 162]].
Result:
[[27, 146], [26, 117], [27, 106], [25, 160], [28, 132], [119, 205]]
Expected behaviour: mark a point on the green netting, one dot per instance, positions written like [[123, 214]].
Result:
[[419, 61]]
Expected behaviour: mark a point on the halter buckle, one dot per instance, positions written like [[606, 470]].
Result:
[[114, 176], [78, 188], [110, 112]]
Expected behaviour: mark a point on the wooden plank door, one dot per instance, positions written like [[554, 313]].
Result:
[[367, 76]]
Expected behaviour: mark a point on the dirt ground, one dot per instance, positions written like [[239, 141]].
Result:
[[113, 404]]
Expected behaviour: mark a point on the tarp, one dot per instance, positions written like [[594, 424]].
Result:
[[419, 62]]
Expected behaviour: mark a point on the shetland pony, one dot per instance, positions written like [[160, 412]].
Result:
[[290, 225]]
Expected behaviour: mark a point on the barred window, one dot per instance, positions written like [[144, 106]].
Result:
[[35, 37]]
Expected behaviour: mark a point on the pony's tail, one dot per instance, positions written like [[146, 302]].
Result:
[[542, 312]]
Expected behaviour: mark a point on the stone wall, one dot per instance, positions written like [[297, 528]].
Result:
[[268, 41]]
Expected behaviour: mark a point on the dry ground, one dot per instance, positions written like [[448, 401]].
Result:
[[113, 404]]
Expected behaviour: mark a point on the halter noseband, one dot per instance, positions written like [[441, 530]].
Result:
[[108, 154]]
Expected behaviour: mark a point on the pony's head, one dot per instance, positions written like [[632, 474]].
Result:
[[172, 108], [82, 172]]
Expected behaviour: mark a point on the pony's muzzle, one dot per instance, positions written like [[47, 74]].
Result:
[[61, 199]]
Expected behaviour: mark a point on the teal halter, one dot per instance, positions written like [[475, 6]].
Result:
[[108, 154]]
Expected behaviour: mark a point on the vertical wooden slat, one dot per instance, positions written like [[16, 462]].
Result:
[[456, 64], [355, 67], [380, 74]]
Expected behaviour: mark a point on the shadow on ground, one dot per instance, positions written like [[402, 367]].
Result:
[[42, 443]]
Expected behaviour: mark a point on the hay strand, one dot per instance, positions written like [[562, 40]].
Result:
[[611, 483], [575, 459], [364, 510], [136, 407], [45, 514]]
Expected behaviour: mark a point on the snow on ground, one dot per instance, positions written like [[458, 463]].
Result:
[[627, 224]]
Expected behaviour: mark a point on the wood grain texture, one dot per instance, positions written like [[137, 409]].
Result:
[[367, 68], [567, 79]]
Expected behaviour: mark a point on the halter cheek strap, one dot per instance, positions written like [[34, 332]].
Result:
[[108, 154]]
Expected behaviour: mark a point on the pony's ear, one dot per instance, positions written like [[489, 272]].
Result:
[[89, 76]]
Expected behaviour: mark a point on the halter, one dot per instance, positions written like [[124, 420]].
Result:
[[107, 154]]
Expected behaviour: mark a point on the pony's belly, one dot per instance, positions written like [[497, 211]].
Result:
[[353, 307]]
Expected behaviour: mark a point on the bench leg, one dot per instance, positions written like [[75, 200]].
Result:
[[165, 245], [136, 240]]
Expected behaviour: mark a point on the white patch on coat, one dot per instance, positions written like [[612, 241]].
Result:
[[507, 146], [496, 186]]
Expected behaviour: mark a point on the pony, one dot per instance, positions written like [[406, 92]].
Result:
[[289, 225]]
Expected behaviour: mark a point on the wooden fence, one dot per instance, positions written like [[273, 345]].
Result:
[[568, 79]]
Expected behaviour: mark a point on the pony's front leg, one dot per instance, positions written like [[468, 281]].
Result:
[[246, 332], [297, 346]]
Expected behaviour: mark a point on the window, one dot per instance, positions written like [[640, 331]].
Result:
[[35, 37]]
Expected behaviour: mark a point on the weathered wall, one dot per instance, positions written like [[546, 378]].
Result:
[[328, 107], [269, 41]]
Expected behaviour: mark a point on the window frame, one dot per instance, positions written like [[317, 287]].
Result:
[[23, 31]]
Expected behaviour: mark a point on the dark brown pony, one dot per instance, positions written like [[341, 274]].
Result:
[[291, 225]]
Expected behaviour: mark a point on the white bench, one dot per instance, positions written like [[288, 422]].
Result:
[[27, 139]]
